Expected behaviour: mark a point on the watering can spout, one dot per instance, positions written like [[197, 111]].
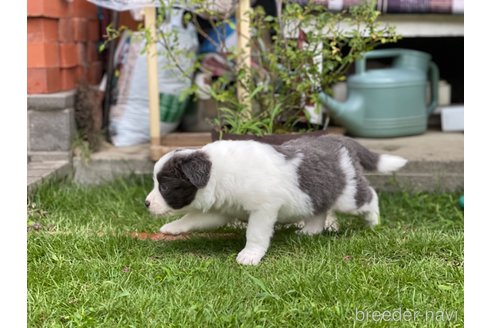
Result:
[[335, 107], [348, 112]]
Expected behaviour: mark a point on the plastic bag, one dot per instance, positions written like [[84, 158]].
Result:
[[121, 5], [215, 8], [129, 118]]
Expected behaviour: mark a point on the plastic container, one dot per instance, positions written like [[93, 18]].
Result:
[[453, 118]]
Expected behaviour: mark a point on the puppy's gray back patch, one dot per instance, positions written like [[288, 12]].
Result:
[[319, 173], [360, 154]]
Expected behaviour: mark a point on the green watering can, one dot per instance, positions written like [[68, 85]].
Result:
[[388, 102]]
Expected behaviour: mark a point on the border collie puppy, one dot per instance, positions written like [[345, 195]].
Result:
[[306, 179]]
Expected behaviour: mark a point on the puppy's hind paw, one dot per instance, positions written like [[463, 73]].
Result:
[[249, 257]]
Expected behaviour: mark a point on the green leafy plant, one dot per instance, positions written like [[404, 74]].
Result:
[[295, 55]]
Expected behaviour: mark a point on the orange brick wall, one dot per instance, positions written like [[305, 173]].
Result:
[[62, 45]]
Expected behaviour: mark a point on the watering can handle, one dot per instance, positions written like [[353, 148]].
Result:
[[360, 65], [434, 80]]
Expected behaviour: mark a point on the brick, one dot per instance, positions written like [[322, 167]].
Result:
[[68, 55], [43, 80], [93, 31], [94, 73], [127, 20], [82, 56], [42, 29], [73, 29], [43, 54], [48, 8], [50, 130], [34, 8], [80, 26], [83, 8], [68, 78], [65, 30], [93, 54], [82, 73]]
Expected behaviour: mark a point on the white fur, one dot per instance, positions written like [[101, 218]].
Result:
[[371, 210], [390, 163], [331, 222], [253, 182], [314, 225], [346, 201], [158, 205]]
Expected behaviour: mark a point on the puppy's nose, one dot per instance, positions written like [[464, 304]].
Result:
[[147, 203]]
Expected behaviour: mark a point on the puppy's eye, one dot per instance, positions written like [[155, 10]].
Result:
[[163, 188]]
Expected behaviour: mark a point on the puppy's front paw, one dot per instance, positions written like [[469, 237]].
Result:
[[309, 231], [333, 227], [171, 229], [249, 257]]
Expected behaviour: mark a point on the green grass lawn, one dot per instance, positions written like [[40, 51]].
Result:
[[84, 270]]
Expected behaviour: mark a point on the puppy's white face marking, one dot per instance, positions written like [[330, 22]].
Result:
[[157, 204]]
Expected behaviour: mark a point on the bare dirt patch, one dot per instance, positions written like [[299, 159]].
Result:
[[157, 236]]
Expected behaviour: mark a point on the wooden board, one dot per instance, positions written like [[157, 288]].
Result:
[[174, 141], [153, 82], [186, 139]]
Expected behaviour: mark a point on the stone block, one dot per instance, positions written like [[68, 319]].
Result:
[[51, 130], [51, 101]]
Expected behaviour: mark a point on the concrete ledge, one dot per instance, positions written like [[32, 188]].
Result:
[[51, 101], [49, 156], [105, 170], [112, 162], [37, 172], [417, 182]]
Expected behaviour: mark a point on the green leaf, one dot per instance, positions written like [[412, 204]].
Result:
[[124, 293], [445, 287]]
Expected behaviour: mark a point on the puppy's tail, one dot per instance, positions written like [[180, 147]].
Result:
[[390, 163], [372, 161]]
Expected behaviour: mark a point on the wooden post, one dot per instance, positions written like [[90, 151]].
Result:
[[243, 48], [154, 113]]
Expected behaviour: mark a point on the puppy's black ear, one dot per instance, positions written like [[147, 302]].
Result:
[[196, 167]]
